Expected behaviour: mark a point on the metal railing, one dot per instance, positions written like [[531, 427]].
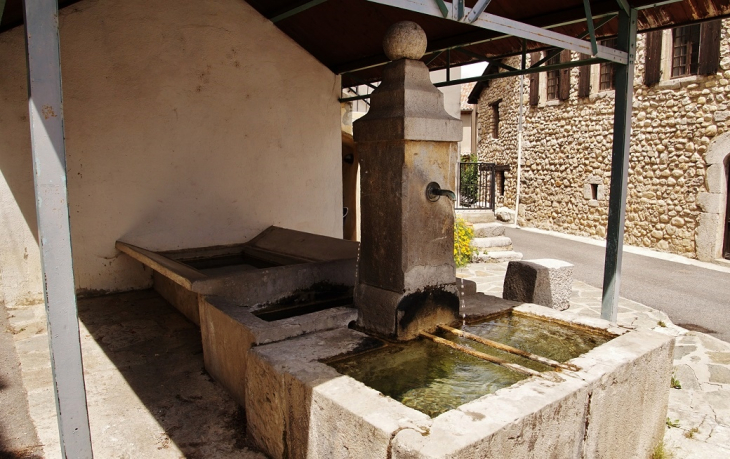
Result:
[[476, 188]]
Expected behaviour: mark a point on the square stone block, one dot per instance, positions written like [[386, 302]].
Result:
[[546, 282]]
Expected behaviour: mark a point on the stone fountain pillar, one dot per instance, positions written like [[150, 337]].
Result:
[[407, 279]]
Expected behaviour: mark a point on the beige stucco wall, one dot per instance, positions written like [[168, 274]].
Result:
[[187, 124], [567, 148]]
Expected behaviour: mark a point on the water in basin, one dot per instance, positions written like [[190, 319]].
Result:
[[318, 297], [434, 378], [204, 264]]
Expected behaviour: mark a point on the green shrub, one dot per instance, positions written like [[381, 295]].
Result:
[[463, 234], [468, 182]]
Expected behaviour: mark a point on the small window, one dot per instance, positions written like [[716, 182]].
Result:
[[495, 119], [594, 191], [608, 69], [500, 182], [553, 79], [685, 50]]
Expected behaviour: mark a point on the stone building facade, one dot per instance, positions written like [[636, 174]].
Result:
[[680, 144]]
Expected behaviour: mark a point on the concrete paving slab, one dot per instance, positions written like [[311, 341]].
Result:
[[148, 393]]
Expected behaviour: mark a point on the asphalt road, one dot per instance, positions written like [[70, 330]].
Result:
[[695, 298]]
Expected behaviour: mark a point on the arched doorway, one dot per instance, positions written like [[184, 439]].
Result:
[[712, 237]]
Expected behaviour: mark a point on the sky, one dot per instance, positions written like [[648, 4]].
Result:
[[472, 70]]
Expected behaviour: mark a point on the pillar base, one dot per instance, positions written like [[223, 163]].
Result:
[[401, 316]]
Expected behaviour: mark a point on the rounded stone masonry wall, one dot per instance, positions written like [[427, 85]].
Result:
[[671, 205]]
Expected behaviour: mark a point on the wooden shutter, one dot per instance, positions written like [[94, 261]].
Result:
[[564, 92], [534, 81], [710, 47], [653, 61], [584, 78]]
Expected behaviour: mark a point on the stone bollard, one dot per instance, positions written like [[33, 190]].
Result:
[[546, 282]]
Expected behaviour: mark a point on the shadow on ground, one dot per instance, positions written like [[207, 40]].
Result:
[[160, 357]]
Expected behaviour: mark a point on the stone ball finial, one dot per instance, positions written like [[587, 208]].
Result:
[[405, 39]]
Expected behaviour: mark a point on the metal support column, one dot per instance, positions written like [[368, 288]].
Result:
[[54, 233], [619, 166]]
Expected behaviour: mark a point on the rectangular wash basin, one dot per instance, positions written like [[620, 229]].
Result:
[[612, 405]]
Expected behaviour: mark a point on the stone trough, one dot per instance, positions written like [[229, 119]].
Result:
[[271, 266], [281, 284], [613, 406]]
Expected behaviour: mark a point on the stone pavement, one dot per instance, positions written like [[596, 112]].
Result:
[[700, 411], [149, 395]]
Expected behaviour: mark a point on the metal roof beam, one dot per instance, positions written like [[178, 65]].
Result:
[[511, 73], [591, 30], [517, 29], [553, 53], [481, 58], [624, 5], [293, 11]]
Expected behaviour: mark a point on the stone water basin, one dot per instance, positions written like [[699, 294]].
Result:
[[271, 266], [281, 284], [434, 378], [613, 405]]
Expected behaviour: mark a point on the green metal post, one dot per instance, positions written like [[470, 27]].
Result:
[[591, 30], [619, 167]]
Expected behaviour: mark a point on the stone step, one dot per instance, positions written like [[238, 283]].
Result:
[[492, 243], [497, 257], [477, 215], [488, 229]]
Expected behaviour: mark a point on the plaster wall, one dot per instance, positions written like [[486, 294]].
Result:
[[676, 146], [187, 124]]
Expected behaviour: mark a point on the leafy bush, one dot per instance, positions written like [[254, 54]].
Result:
[[463, 234]]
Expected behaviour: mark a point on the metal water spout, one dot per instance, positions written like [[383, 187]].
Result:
[[434, 192]]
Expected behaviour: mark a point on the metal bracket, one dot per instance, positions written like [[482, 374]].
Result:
[[459, 5], [478, 9], [442, 7]]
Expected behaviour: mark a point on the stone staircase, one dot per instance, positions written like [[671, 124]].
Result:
[[491, 245]]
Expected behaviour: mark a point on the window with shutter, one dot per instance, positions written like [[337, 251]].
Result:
[[685, 50], [534, 81], [584, 78], [710, 47], [553, 79], [607, 74], [495, 119], [564, 93], [653, 58]]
